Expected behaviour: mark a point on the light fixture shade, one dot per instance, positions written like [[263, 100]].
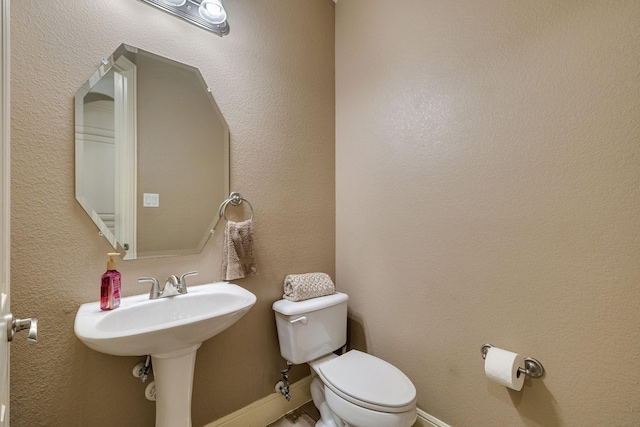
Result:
[[212, 11]]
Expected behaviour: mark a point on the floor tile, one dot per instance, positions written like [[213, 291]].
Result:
[[297, 418]]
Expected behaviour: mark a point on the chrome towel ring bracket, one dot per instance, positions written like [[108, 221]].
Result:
[[234, 199]]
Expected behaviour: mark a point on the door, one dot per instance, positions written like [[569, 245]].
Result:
[[8, 324], [4, 213]]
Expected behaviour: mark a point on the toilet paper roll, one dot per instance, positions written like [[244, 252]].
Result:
[[502, 366]]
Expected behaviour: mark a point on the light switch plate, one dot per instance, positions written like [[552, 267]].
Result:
[[151, 200]]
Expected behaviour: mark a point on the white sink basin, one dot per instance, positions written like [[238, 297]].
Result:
[[141, 326], [169, 329]]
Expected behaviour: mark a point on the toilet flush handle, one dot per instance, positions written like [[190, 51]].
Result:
[[301, 319]]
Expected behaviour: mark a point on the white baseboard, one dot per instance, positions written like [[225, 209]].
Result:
[[426, 420], [269, 409]]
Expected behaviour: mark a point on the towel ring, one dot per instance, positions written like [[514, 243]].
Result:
[[234, 199]]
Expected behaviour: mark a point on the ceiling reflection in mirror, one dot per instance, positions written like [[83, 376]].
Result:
[[152, 154]]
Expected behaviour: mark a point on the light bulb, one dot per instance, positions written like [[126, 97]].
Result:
[[213, 11], [175, 3]]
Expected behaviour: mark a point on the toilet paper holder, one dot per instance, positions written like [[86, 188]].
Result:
[[533, 368]]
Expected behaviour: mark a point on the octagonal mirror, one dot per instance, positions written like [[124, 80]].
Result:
[[152, 154]]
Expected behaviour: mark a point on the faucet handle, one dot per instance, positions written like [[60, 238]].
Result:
[[185, 275], [155, 287], [182, 283]]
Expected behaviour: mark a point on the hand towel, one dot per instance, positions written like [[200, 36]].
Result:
[[299, 287], [238, 260]]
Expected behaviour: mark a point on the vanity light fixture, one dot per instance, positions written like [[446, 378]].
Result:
[[207, 14]]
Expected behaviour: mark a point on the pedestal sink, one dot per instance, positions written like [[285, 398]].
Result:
[[169, 329]]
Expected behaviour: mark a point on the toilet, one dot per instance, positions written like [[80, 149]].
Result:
[[355, 389]]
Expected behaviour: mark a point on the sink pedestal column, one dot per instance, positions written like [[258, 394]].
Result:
[[173, 375]]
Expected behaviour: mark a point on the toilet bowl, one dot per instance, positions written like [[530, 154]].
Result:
[[355, 389]]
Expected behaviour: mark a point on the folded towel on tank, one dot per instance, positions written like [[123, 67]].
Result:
[[300, 287]]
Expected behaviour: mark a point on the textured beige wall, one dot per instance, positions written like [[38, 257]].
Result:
[[273, 78], [488, 171]]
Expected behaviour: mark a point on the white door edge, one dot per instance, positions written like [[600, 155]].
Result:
[[5, 209]]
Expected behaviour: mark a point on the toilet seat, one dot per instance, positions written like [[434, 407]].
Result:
[[368, 381]]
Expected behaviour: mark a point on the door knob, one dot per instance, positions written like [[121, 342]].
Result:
[[16, 325]]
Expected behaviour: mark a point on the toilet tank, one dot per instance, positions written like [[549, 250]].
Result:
[[312, 328]]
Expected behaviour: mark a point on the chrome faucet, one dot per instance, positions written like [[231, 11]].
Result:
[[172, 286]]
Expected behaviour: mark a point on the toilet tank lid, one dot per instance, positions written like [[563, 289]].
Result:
[[292, 308]]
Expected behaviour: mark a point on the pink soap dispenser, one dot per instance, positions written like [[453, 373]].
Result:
[[110, 287]]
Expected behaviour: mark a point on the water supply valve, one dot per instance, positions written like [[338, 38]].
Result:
[[142, 369], [283, 386]]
